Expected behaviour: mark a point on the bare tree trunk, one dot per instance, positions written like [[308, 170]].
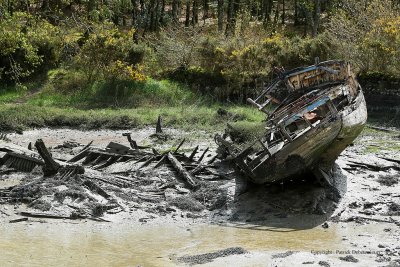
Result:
[[236, 7], [156, 22], [296, 13], [220, 15], [270, 8], [135, 21], [153, 15], [91, 5], [175, 11], [229, 18], [316, 17], [283, 11], [205, 10], [143, 17], [148, 15], [195, 17], [162, 12], [179, 9], [276, 16], [267, 11], [187, 20]]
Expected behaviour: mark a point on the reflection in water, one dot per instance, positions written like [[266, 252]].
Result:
[[90, 244]]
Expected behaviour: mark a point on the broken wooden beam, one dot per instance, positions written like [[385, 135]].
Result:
[[20, 162], [202, 155], [179, 146], [161, 161], [4, 137], [193, 153], [159, 126], [391, 160], [133, 143], [155, 152], [188, 178], [147, 162], [198, 169], [67, 172], [5, 213], [96, 189], [87, 146], [50, 166], [211, 161], [18, 220], [49, 216]]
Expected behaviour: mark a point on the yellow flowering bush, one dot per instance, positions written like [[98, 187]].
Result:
[[110, 52], [123, 71], [382, 44]]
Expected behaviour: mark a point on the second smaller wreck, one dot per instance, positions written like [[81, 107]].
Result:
[[313, 113]]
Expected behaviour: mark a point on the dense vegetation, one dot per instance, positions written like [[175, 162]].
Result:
[[145, 53]]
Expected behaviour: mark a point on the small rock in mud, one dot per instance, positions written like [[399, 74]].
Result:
[[382, 258], [283, 255], [68, 144], [394, 209], [186, 203], [324, 263], [348, 258], [211, 196], [40, 204], [368, 205], [354, 205], [209, 257], [325, 225], [388, 180]]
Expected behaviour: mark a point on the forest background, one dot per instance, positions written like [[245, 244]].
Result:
[[121, 63]]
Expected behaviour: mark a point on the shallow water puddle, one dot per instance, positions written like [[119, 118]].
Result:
[[147, 245]]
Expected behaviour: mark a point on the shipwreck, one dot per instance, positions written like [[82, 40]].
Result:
[[312, 114]]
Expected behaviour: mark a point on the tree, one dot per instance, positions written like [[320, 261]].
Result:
[[220, 15]]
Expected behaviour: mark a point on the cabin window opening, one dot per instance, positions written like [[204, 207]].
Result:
[[309, 118], [340, 102]]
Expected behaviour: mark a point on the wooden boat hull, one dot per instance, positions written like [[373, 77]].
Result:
[[320, 111], [318, 149]]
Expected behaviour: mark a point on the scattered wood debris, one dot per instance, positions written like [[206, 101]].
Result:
[[98, 181]]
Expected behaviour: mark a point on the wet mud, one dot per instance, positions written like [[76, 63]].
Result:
[[360, 213]]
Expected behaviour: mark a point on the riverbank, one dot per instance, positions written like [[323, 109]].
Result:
[[285, 224]]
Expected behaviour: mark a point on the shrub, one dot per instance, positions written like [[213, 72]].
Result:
[[231, 68], [66, 81], [367, 33], [107, 51], [27, 44]]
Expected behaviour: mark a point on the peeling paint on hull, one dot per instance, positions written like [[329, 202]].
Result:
[[310, 128]]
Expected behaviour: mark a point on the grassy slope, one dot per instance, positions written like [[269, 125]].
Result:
[[137, 107]]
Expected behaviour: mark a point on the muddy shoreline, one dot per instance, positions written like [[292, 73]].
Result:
[[364, 218]]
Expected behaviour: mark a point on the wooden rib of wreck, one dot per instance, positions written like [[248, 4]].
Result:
[[313, 114]]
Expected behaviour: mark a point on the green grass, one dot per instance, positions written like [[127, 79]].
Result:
[[379, 141], [13, 93], [20, 117], [115, 105], [10, 95], [382, 145], [116, 94]]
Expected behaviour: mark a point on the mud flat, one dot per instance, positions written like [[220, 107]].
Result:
[[225, 222]]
